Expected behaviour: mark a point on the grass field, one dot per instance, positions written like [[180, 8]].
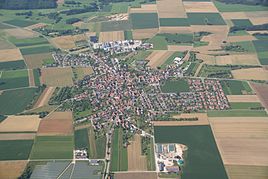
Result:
[[14, 79], [173, 22], [15, 101], [15, 149], [261, 47], [12, 65], [159, 42], [246, 45], [144, 20], [175, 39], [247, 105], [28, 41], [128, 35], [205, 19], [53, 147], [36, 74], [202, 159], [233, 87], [119, 160], [81, 139], [115, 26], [223, 7], [175, 86], [36, 50], [20, 23], [238, 113], [171, 59], [242, 22]]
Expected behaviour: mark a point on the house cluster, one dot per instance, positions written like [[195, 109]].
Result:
[[73, 60], [123, 46], [81, 154]]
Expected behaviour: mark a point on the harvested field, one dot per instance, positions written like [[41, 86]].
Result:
[[35, 26], [180, 48], [241, 59], [68, 41], [140, 34], [17, 136], [199, 6], [135, 175], [170, 9], [258, 18], [243, 98], [81, 72], [12, 169], [202, 120], [44, 98], [20, 33], [157, 58], [10, 55], [145, 8], [250, 74], [261, 90], [25, 123], [174, 30], [234, 15], [136, 161], [208, 59], [240, 38], [247, 171], [242, 140], [58, 123], [111, 36], [36, 60], [57, 76], [31, 78]]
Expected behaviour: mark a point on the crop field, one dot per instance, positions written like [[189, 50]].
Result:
[[111, 36], [15, 149], [15, 101], [240, 137], [170, 22], [20, 33], [81, 139], [14, 79], [233, 87], [144, 20], [57, 76], [115, 26], [36, 75], [202, 158], [128, 35], [119, 160], [44, 97], [250, 74], [145, 8], [247, 46], [27, 123], [37, 60], [261, 90], [243, 98], [17, 136], [199, 6], [12, 169], [175, 39], [12, 65], [170, 59], [175, 86], [223, 7], [53, 147], [28, 41], [205, 19], [241, 59], [245, 105], [247, 171], [262, 50], [31, 78], [135, 175], [20, 23], [244, 39], [36, 49], [238, 113], [157, 58], [242, 22], [159, 42], [170, 9], [81, 72], [10, 55]]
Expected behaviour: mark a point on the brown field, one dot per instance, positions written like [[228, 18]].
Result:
[[44, 97], [12, 169], [202, 120], [111, 36], [135, 175], [81, 72], [247, 171], [31, 77], [136, 161], [57, 123], [157, 58], [242, 140], [36, 60], [20, 33], [243, 98], [261, 90], [89, 34], [208, 59], [35, 26], [68, 41], [57, 76], [4, 44], [250, 74], [199, 7], [170, 9], [258, 18], [23, 123], [258, 31], [16, 136], [234, 15], [241, 59], [60, 1], [240, 38], [47, 108], [140, 34], [145, 8], [174, 30], [10, 55], [180, 48]]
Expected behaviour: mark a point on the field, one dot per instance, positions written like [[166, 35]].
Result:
[[243, 38], [119, 160], [238, 113], [28, 41], [15, 101], [144, 20], [202, 158], [44, 97], [241, 59], [12, 65], [159, 42], [36, 49], [199, 7], [245, 105], [12, 169], [171, 58], [140, 34], [134, 175], [20, 124], [58, 123], [20, 23], [111, 36], [239, 137], [170, 22], [17, 136], [14, 79], [15, 149], [243, 98], [175, 86], [20, 33], [136, 161], [10, 55], [262, 50], [36, 60], [250, 74], [53, 147], [115, 26], [31, 78], [233, 87], [247, 171], [223, 7], [81, 139], [170, 9], [157, 58], [57, 76], [97, 145], [36, 75], [205, 19], [261, 90]]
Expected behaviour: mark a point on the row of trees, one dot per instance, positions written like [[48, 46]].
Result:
[[27, 4]]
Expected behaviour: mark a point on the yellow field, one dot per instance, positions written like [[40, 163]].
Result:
[[16, 136], [258, 18], [208, 59], [250, 74], [20, 33], [57, 76], [243, 98], [44, 97], [25, 123], [247, 171], [199, 7], [140, 34], [240, 38], [234, 15], [170, 9], [157, 58], [111, 36], [67, 42], [36, 60], [145, 8], [241, 59], [10, 55], [12, 169]]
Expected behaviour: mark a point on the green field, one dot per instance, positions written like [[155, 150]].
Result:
[[175, 86], [81, 140], [119, 160], [159, 42], [36, 74], [28, 41], [144, 20], [202, 159], [15, 101], [20, 23], [223, 7], [234, 87], [173, 22], [15, 149], [115, 26], [205, 19], [238, 113], [175, 39], [128, 35], [53, 147], [245, 105], [238, 33], [246, 45], [12, 65], [14, 79], [212, 71], [36, 49], [242, 22], [171, 59], [192, 69], [261, 47]]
